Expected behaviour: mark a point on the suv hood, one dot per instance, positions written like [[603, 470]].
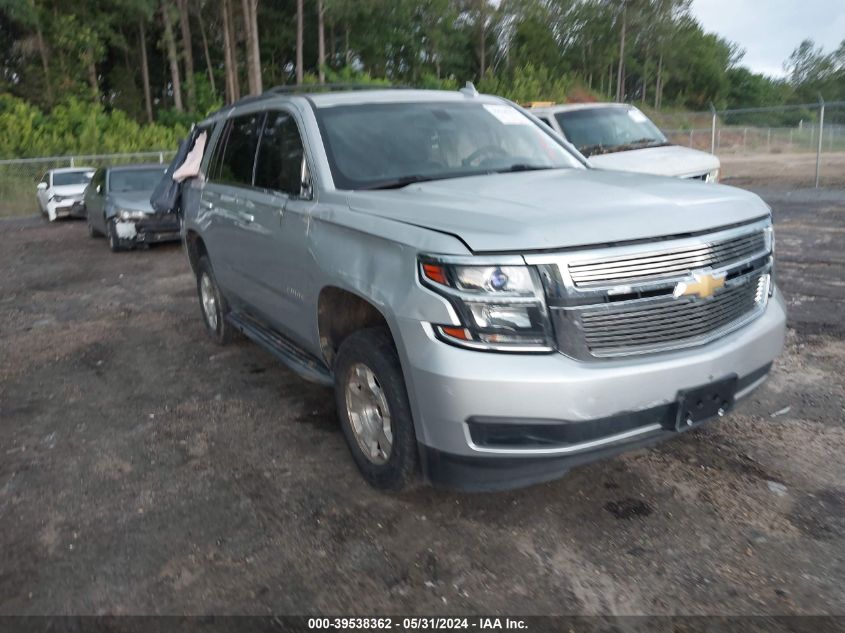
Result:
[[561, 208], [670, 160]]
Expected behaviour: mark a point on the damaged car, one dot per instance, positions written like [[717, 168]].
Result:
[[59, 192], [490, 310], [117, 205]]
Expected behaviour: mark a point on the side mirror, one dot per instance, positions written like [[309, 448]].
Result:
[[42, 186], [305, 188]]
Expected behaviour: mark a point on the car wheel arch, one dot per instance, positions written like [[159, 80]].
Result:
[[340, 313], [196, 248]]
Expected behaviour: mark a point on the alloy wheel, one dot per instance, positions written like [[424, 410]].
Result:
[[209, 301], [369, 414]]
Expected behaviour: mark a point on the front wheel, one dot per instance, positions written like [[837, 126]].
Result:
[[375, 415], [115, 243]]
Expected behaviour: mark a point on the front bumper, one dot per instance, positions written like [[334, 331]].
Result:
[[66, 209], [151, 230], [453, 389]]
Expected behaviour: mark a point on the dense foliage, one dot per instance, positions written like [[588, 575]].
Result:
[[119, 75], [75, 126]]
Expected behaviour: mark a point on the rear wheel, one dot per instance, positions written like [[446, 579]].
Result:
[[374, 412], [92, 232], [213, 304]]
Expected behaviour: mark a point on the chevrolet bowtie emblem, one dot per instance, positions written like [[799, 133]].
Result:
[[702, 285]]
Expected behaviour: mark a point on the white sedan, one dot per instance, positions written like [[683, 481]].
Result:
[[619, 137], [59, 192]]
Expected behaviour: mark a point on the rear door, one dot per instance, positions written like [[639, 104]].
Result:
[[279, 206], [228, 225]]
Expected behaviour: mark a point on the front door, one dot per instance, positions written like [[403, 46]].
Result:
[[278, 214]]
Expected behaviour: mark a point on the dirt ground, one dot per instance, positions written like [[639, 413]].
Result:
[[143, 470], [783, 170]]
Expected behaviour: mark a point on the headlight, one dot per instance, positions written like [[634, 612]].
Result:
[[713, 176], [128, 216], [770, 244], [501, 308], [58, 198]]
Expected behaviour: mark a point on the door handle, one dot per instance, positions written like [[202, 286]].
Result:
[[247, 217]]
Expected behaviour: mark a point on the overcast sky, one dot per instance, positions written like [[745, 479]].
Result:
[[769, 30]]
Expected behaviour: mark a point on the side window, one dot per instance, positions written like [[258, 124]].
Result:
[[547, 121], [280, 155], [213, 170], [238, 157]]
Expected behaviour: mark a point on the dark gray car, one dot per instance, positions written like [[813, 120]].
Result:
[[117, 205]]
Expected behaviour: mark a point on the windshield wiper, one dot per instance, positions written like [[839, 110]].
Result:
[[589, 150], [520, 167], [647, 142], [403, 181]]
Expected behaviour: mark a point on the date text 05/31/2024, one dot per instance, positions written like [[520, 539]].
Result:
[[418, 623]]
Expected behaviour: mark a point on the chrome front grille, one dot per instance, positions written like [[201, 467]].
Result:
[[625, 300], [657, 324], [663, 264]]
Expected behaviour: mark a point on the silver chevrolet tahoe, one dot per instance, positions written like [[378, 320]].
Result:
[[490, 310]]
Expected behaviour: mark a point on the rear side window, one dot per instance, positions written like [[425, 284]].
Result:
[[234, 165], [280, 155], [213, 169]]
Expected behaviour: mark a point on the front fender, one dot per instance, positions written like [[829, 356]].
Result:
[[109, 210]]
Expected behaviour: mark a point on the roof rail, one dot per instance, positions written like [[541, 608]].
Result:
[[304, 89], [301, 88]]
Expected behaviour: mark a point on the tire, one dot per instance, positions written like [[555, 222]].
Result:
[[92, 232], [372, 349], [114, 241], [214, 307]]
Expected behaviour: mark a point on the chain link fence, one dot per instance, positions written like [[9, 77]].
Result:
[[19, 177], [792, 146], [798, 145]]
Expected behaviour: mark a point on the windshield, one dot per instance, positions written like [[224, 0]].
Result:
[[377, 146], [121, 180], [63, 178], [609, 129]]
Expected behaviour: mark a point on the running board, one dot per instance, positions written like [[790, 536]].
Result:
[[293, 356]]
